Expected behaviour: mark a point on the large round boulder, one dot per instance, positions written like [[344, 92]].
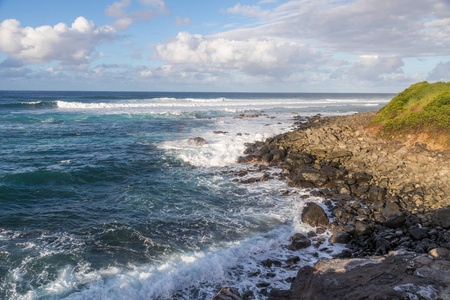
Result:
[[441, 217], [314, 215]]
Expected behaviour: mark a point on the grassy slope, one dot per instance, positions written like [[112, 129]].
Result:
[[423, 108]]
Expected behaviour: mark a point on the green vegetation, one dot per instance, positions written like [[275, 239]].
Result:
[[421, 108]]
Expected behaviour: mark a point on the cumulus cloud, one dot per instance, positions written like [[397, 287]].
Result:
[[43, 44], [250, 56], [370, 68], [124, 19]]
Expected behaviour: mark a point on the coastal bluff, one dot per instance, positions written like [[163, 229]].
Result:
[[387, 199]]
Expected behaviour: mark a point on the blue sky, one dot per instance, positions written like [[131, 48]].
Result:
[[226, 45]]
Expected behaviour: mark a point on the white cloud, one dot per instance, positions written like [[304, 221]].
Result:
[[247, 10], [252, 56], [117, 9], [74, 44], [124, 19], [371, 67]]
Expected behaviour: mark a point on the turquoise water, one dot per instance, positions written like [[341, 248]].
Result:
[[102, 197]]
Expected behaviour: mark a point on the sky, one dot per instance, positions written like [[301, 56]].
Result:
[[223, 45]]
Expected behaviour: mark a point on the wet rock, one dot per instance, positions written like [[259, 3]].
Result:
[[228, 293], [267, 263], [299, 241], [263, 284], [314, 215], [197, 141], [340, 237], [248, 295], [293, 260]]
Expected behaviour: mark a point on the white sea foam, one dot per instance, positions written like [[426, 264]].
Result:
[[196, 275], [225, 147]]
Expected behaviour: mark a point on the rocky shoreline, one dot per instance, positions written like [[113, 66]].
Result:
[[388, 201]]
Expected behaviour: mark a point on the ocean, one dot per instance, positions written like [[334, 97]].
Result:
[[103, 197]]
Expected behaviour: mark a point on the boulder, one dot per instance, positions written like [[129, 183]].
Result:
[[362, 177], [228, 293], [389, 209], [395, 220], [197, 141], [312, 175], [377, 194], [296, 159], [299, 241], [418, 233], [441, 217], [340, 237], [314, 215], [363, 229], [440, 253]]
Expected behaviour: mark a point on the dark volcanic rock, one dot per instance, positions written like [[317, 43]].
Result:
[[310, 175], [340, 237], [299, 241], [227, 293], [395, 276], [314, 215], [362, 177], [418, 233], [296, 159], [376, 194], [395, 220], [441, 217], [363, 229], [390, 208]]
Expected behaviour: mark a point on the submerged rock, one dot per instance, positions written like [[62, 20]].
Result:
[[299, 241], [197, 141]]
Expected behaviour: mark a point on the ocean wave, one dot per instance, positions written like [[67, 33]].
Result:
[[30, 105]]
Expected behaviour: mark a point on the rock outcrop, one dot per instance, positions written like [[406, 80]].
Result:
[[399, 275], [381, 196]]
